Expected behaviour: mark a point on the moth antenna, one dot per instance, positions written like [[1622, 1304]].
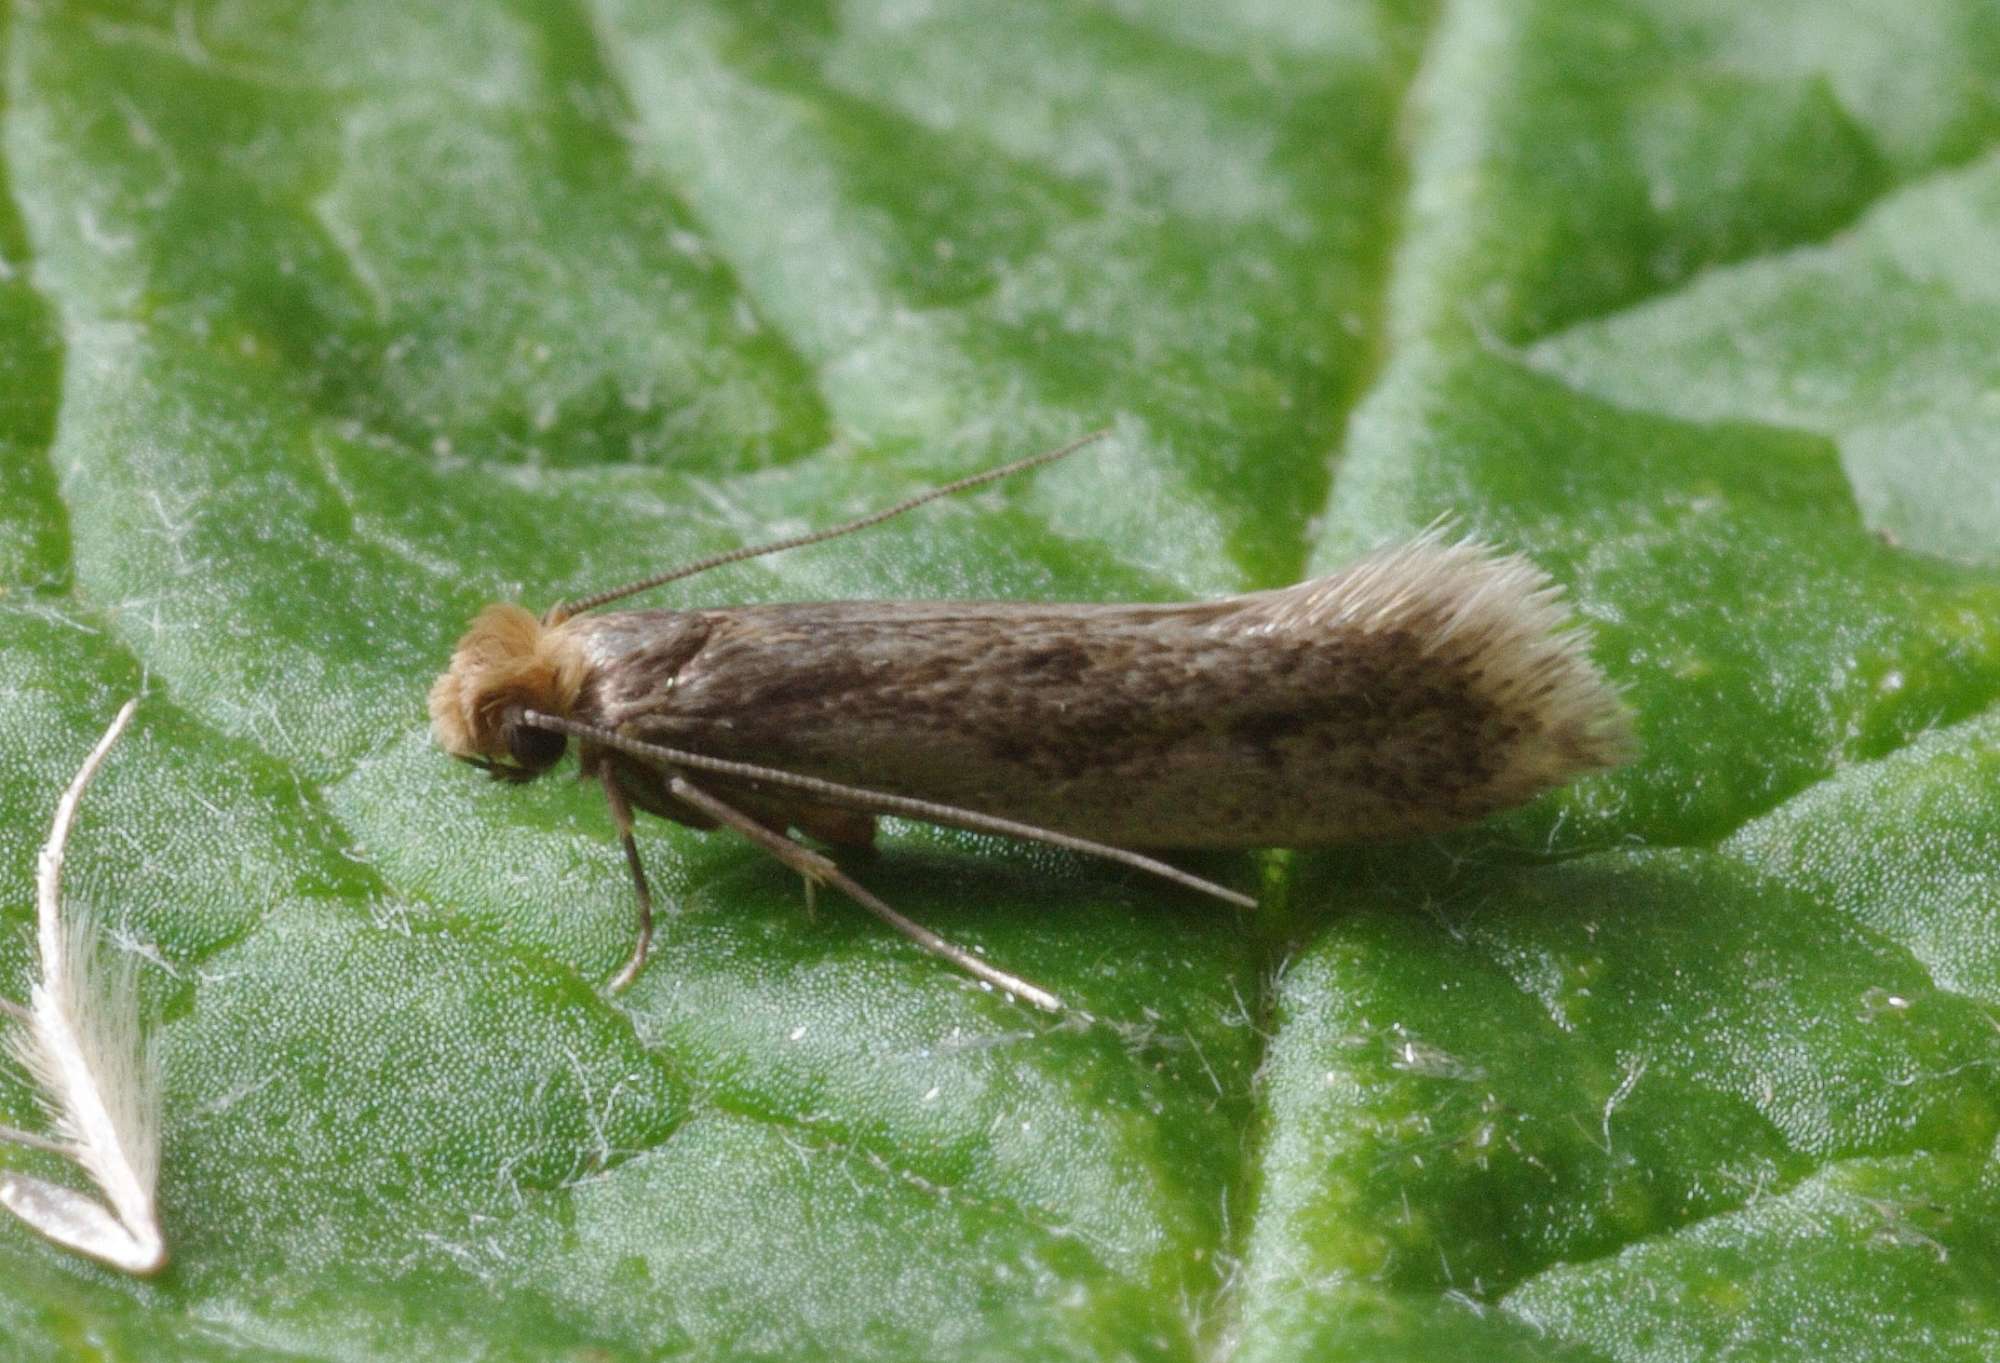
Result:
[[881, 802], [621, 815], [815, 867], [564, 610]]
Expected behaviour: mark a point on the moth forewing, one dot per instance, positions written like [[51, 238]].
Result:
[[1422, 687]]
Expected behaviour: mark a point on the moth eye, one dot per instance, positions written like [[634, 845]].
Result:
[[534, 748]]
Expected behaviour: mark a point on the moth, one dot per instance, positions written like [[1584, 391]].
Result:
[[1423, 687]]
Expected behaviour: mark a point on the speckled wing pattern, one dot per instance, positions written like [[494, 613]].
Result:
[[1422, 687]]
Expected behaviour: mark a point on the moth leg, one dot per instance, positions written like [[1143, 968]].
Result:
[[815, 867], [832, 825], [621, 817]]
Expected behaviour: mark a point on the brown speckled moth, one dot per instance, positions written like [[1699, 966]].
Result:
[[1423, 687]]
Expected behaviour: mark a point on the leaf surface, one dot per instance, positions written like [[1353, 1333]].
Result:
[[324, 325]]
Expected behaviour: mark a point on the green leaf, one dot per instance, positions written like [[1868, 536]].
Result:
[[323, 325]]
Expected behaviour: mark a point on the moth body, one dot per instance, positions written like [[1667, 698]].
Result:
[[1420, 689]]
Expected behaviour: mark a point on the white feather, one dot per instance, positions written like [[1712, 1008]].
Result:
[[80, 1040]]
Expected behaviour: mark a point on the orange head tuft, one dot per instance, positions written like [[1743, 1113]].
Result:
[[508, 661]]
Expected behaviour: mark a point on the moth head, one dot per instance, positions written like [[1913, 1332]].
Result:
[[508, 662]]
